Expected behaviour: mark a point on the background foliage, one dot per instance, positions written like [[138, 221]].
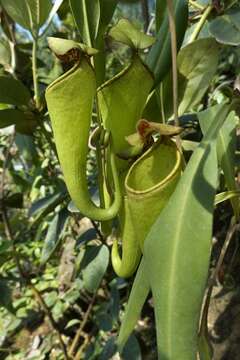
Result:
[[57, 286]]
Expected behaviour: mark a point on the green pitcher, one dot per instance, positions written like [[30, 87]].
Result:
[[70, 101], [150, 182]]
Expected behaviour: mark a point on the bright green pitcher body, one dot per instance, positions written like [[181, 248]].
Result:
[[150, 182]]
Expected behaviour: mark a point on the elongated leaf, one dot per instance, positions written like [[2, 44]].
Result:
[[14, 201], [226, 28], [5, 53], [107, 8], [87, 16], [10, 117], [57, 4], [177, 250], [226, 195], [135, 304], [132, 349], [6, 296], [54, 233], [24, 122], [161, 10], [96, 260], [125, 32], [13, 92], [30, 14], [226, 146], [205, 351], [42, 207], [159, 58], [197, 64], [26, 147], [18, 11]]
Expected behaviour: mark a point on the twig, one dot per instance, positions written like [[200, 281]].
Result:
[[79, 332], [233, 228], [196, 5], [172, 28], [35, 74], [201, 23], [82, 347], [101, 237]]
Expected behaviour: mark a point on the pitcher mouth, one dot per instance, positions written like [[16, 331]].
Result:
[[166, 179]]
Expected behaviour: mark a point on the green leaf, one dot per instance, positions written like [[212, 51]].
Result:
[[10, 117], [57, 4], [197, 64], [40, 208], [159, 58], [107, 8], [226, 28], [161, 11], [26, 147], [5, 53], [18, 11], [25, 122], [13, 91], [132, 349], [54, 235], [87, 16], [226, 146], [72, 323], [177, 250], [14, 201], [226, 195], [205, 350], [109, 349], [30, 14], [6, 296], [125, 32], [5, 245], [95, 263], [138, 295]]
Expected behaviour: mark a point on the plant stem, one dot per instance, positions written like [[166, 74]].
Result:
[[82, 347], [232, 229], [162, 104], [196, 5], [79, 332], [172, 28], [34, 73], [101, 237], [86, 23], [201, 23]]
